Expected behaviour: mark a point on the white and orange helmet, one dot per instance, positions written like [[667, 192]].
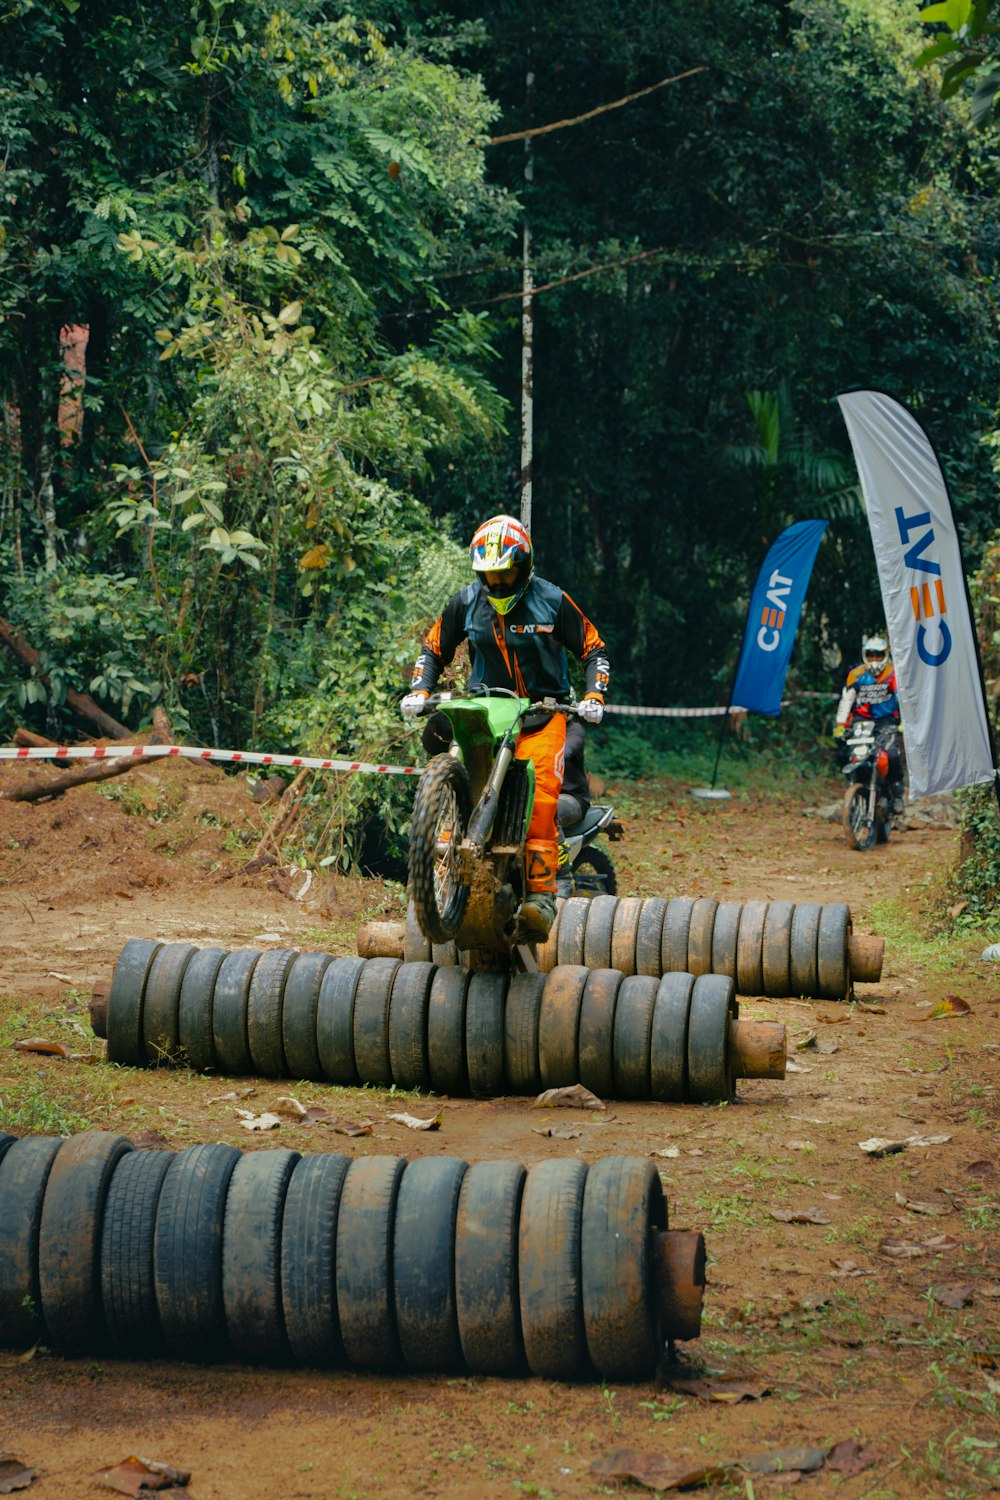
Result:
[[501, 543]]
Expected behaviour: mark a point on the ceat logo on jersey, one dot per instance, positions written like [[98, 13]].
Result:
[[773, 614], [927, 603]]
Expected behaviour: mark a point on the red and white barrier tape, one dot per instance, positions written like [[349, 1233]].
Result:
[[669, 713], [193, 752]]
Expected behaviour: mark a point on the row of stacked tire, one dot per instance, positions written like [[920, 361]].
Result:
[[209, 1253], [282, 1013]]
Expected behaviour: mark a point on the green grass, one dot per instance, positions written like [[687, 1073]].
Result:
[[913, 945]]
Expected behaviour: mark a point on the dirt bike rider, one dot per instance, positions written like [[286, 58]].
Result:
[[519, 628], [870, 693]]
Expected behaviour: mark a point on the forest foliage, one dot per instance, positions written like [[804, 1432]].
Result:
[[296, 252]]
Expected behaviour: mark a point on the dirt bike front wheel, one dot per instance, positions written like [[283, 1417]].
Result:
[[858, 827], [594, 874], [441, 812]]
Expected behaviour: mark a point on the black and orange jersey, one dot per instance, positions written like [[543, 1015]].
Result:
[[524, 650]]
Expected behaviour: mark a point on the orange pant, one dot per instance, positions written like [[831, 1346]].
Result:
[[546, 747]]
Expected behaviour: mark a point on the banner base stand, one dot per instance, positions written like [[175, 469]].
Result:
[[711, 793]]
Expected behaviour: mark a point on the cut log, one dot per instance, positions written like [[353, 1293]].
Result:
[[81, 703], [27, 739], [41, 791]]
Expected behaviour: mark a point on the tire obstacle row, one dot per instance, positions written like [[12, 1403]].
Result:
[[282, 1013], [773, 948], [209, 1253]]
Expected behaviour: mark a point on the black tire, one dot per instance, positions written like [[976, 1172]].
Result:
[[298, 1015], [633, 1026], [194, 1008], [550, 1283], [424, 1263], [441, 811], [364, 1264], [674, 938], [446, 1032], [668, 1039], [833, 967], [229, 1012], [594, 870], [128, 1289], [802, 975], [335, 1020], [264, 1002], [725, 938], [776, 949], [308, 1259], [6, 1141], [69, 1240], [883, 825], [547, 953], [522, 1009], [128, 984], [24, 1172], [187, 1251], [251, 1255], [597, 933], [447, 955], [623, 1204], [486, 1268], [484, 1033], [700, 934], [408, 1002], [371, 1020], [596, 1044], [859, 831], [161, 1003], [559, 1026], [623, 937], [416, 948], [572, 930], [649, 936], [710, 1062], [749, 949]]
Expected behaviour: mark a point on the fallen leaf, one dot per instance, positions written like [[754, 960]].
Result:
[[835, 1020], [917, 1207], [784, 1461], [413, 1122], [267, 937], [13, 1474], [556, 1132], [847, 1458], [54, 974], [885, 1146], [872, 1010], [250, 1121], [809, 1040], [799, 1146], [928, 1140], [696, 1151], [343, 1127], [801, 1215], [847, 1268], [908, 1249], [668, 1151], [303, 1115], [726, 1388], [655, 1471], [794, 1067], [981, 1168], [992, 1291], [951, 1005], [951, 1294], [135, 1476], [41, 1044], [233, 1094], [573, 1096], [827, 1046], [148, 1140], [957, 909]]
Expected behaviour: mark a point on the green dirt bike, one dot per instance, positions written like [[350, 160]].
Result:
[[470, 822]]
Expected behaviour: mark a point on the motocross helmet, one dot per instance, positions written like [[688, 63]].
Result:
[[875, 651], [499, 544]]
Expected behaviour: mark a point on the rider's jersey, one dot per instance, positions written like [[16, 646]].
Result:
[[524, 650], [869, 695]]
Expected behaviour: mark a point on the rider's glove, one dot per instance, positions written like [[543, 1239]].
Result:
[[413, 704], [591, 708], [839, 730]]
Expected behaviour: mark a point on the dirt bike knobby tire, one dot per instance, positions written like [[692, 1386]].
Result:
[[444, 777]]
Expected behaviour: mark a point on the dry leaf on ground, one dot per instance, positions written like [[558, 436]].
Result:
[[413, 1122], [847, 1268], [54, 974], [951, 1005], [13, 1474], [557, 1133], [909, 1249], [655, 1471], [728, 1389], [801, 1215], [41, 1044], [783, 1461], [136, 1476], [250, 1121], [848, 1458], [149, 1140], [880, 1145], [951, 1294], [915, 1205], [233, 1094], [794, 1067], [573, 1096], [668, 1151]]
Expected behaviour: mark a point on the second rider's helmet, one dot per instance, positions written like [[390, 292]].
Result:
[[501, 544], [874, 652]]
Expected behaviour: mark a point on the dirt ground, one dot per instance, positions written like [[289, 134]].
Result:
[[878, 1324]]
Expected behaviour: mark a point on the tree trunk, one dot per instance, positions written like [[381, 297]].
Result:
[[81, 703], [42, 791]]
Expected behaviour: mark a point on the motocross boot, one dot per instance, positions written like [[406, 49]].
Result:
[[898, 805], [537, 913]]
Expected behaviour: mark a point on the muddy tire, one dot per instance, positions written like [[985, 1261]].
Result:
[[859, 831], [125, 997], [668, 1040], [775, 949], [128, 1288], [229, 1012], [803, 978], [424, 1263], [595, 871], [194, 1008], [441, 811], [623, 1204], [700, 935], [596, 1042], [24, 1172], [649, 936], [69, 1240], [446, 955], [633, 1026], [572, 930], [710, 1064], [547, 953], [749, 949], [446, 1032], [597, 934], [623, 937], [299, 1006], [559, 1026], [364, 1258], [251, 1255], [550, 1288], [417, 949], [833, 969], [335, 1020], [725, 938], [408, 1001], [486, 1268], [161, 1003], [264, 1002], [674, 937], [187, 1251], [520, 1033], [371, 1020], [484, 1033], [308, 1254]]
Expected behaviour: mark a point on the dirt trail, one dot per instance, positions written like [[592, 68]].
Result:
[[840, 1338]]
